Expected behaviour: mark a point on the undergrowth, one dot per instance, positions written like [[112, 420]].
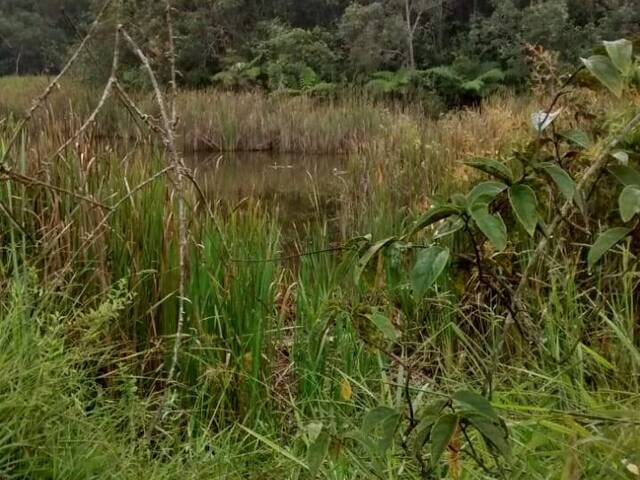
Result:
[[289, 368]]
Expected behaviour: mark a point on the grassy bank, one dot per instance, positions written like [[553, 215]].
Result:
[[211, 120], [281, 347]]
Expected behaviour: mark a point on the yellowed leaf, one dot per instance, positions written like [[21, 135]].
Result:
[[346, 392]]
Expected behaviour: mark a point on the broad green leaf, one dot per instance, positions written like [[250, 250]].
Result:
[[579, 137], [477, 403], [525, 206], [369, 254], [629, 202], [428, 417], [621, 54], [317, 453], [562, 179], [625, 174], [485, 191], [449, 227], [493, 167], [380, 424], [377, 417], [605, 71], [492, 226], [492, 433], [429, 266], [441, 435], [383, 324], [605, 242], [433, 215], [313, 431]]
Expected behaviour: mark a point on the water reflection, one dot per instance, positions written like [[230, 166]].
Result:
[[268, 176], [297, 188]]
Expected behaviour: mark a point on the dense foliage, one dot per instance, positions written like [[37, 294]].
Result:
[[320, 44]]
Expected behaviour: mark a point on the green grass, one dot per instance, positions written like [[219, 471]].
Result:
[[276, 347]]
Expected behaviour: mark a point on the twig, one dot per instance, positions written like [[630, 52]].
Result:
[[168, 118], [106, 93], [21, 178]]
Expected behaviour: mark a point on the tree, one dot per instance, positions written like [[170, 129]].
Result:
[[34, 35], [372, 37]]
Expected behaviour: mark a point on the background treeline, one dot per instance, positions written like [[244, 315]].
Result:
[[462, 49]]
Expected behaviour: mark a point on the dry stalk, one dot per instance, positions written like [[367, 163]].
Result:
[[168, 118]]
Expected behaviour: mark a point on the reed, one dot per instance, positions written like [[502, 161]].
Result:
[[276, 343]]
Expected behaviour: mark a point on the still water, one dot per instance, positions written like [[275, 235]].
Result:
[[296, 186]]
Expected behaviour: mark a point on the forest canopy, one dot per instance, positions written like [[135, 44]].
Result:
[[315, 44]]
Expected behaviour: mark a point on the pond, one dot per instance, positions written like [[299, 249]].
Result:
[[297, 186]]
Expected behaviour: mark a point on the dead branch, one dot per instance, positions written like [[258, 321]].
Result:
[[26, 180], [106, 93], [168, 117]]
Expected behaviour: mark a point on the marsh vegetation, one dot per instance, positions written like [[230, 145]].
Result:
[[304, 284]]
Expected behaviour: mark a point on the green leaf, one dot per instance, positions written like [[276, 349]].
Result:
[[433, 215], [579, 137], [493, 167], [562, 179], [629, 202], [317, 453], [476, 85], [477, 403], [525, 206], [429, 416], [380, 424], [625, 174], [605, 242], [429, 266], [492, 226], [605, 71], [369, 254], [385, 326], [459, 200], [621, 54], [492, 433], [441, 435], [449, 227], [485, 191]]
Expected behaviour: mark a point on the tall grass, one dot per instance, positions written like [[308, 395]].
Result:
[[277, 344]]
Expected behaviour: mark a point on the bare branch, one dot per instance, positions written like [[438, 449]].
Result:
[[168, 116], [106, 93], [24, 179]]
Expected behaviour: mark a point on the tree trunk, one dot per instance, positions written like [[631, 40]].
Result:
[[410, 30]]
